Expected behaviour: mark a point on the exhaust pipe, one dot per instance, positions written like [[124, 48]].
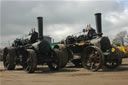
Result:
[[40, 27], [98, 24]]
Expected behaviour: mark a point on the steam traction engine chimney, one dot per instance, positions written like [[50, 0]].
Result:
[[40, 27], [98, 24]]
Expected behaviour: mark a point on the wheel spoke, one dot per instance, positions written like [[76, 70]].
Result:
[[92, 59], [91, 66], [28, 62], [28, 68]]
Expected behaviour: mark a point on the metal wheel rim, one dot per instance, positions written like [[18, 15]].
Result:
[[28, 66], [93, 62], [92, 59]]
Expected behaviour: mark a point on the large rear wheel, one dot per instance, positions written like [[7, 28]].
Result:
[[92, 58], [31, 61], [9, 58]]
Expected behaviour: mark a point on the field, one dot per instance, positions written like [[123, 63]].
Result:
[[67, 76]]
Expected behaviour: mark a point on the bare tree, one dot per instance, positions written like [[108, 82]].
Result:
[[126, 39], [121, 38]]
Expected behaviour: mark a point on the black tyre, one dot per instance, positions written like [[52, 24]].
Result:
[[31, 61], [56, 60], [65, 56], [92, 58], [9, 55], [114, 59]]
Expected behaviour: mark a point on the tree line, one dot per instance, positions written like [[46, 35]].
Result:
[[121, 38]]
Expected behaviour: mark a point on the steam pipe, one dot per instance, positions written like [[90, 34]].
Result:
[[40, 27], [98, 24]]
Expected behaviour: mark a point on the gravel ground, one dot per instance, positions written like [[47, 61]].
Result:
[[67, 76]]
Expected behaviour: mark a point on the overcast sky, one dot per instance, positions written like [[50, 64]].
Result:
[[61, 18]]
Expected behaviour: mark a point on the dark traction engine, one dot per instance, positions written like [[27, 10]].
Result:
[[30, 53], [90, 50]]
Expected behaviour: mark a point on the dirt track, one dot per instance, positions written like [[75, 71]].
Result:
[[66, 76]]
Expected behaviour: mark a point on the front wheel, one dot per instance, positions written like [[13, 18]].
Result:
[[114, 59], [9, 58], [92, 58], [56, 62], [31, 61]]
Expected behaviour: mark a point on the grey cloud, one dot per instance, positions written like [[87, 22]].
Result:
[[74, 12]]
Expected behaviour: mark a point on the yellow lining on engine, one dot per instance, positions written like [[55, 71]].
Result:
[[81, 43], [113, 49]]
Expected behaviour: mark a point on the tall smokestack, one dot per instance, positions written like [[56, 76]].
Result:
[[40, 27], [98, 24]]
